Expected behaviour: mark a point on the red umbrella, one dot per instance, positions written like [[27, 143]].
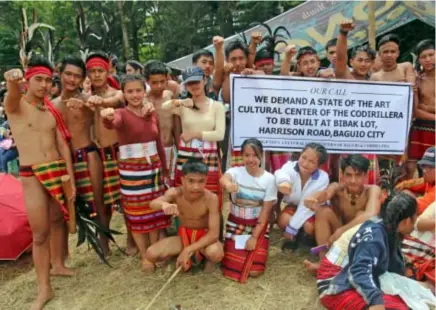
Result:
[[15, 233]]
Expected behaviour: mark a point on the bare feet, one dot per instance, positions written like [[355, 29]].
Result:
[[209, 266], [44, 296], [311, 267], [147, 266], [131, 250], [62, 271]]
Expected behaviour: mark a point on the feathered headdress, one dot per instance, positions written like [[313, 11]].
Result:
[[271, 39]]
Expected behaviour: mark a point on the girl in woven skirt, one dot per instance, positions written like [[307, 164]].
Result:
[[141, 163], [348, 277], [203, 126], [253, 192]]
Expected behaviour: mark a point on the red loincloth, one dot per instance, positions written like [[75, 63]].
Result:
[[189, 236]]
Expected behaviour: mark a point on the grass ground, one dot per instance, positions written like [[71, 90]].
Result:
[[285, 285]]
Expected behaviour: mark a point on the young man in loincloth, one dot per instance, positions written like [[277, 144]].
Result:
[[199, 215], [351, 203], [97, 66], [422, 135], [79, 119], [42, 141], [157, 79]]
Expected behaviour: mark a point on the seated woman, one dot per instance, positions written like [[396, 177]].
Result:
[[348, 277], [297, 180], [253, 192]]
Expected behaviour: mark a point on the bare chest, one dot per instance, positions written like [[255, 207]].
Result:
[[427, 92], [189, 210], [350, 206]]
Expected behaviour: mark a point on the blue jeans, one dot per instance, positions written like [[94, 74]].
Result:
[[6, 156]]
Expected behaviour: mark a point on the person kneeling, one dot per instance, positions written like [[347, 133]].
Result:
[[198, 211]]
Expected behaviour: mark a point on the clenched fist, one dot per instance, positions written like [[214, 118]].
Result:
[[14, 76], [218, 42], [94, 101], [187, 103], [311, 203], [256, 37], [74, 103], [147, 108], [346, 26], [170, 209], [285, 188], [228, 68], [291, 50], [232, 188], [108, 114]]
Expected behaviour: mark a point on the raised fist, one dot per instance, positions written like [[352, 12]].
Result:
[[108, 114], [285, 188], [232, 188], [291, 50], [228, 68], [74, 103], [346, 26], [187, 103], [218, 42], [170, 209], [311, 203], [248, 71], [14, 75], [94, 101], [256, 37], [147, 108]]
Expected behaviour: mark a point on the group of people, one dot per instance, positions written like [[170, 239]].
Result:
[[156, 150]]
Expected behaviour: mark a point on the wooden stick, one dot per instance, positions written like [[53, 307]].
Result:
[[163, 287], [261, 303], [371, 24], [68, 192]]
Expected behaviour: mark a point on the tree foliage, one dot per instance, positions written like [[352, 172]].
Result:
[[152, 29]]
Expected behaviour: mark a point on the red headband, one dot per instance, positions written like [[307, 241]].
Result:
[[97, 62], [32, 71], [264, 62]]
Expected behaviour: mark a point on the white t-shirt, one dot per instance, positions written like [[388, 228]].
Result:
[[257, 189]]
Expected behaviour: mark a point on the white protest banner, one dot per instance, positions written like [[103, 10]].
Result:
[[285, 113]]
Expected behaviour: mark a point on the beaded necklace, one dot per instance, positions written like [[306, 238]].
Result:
[[40, 105]]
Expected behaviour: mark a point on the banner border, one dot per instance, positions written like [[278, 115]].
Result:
[[234, 77]]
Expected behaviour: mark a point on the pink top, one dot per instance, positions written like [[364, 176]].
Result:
[[133, 129]]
